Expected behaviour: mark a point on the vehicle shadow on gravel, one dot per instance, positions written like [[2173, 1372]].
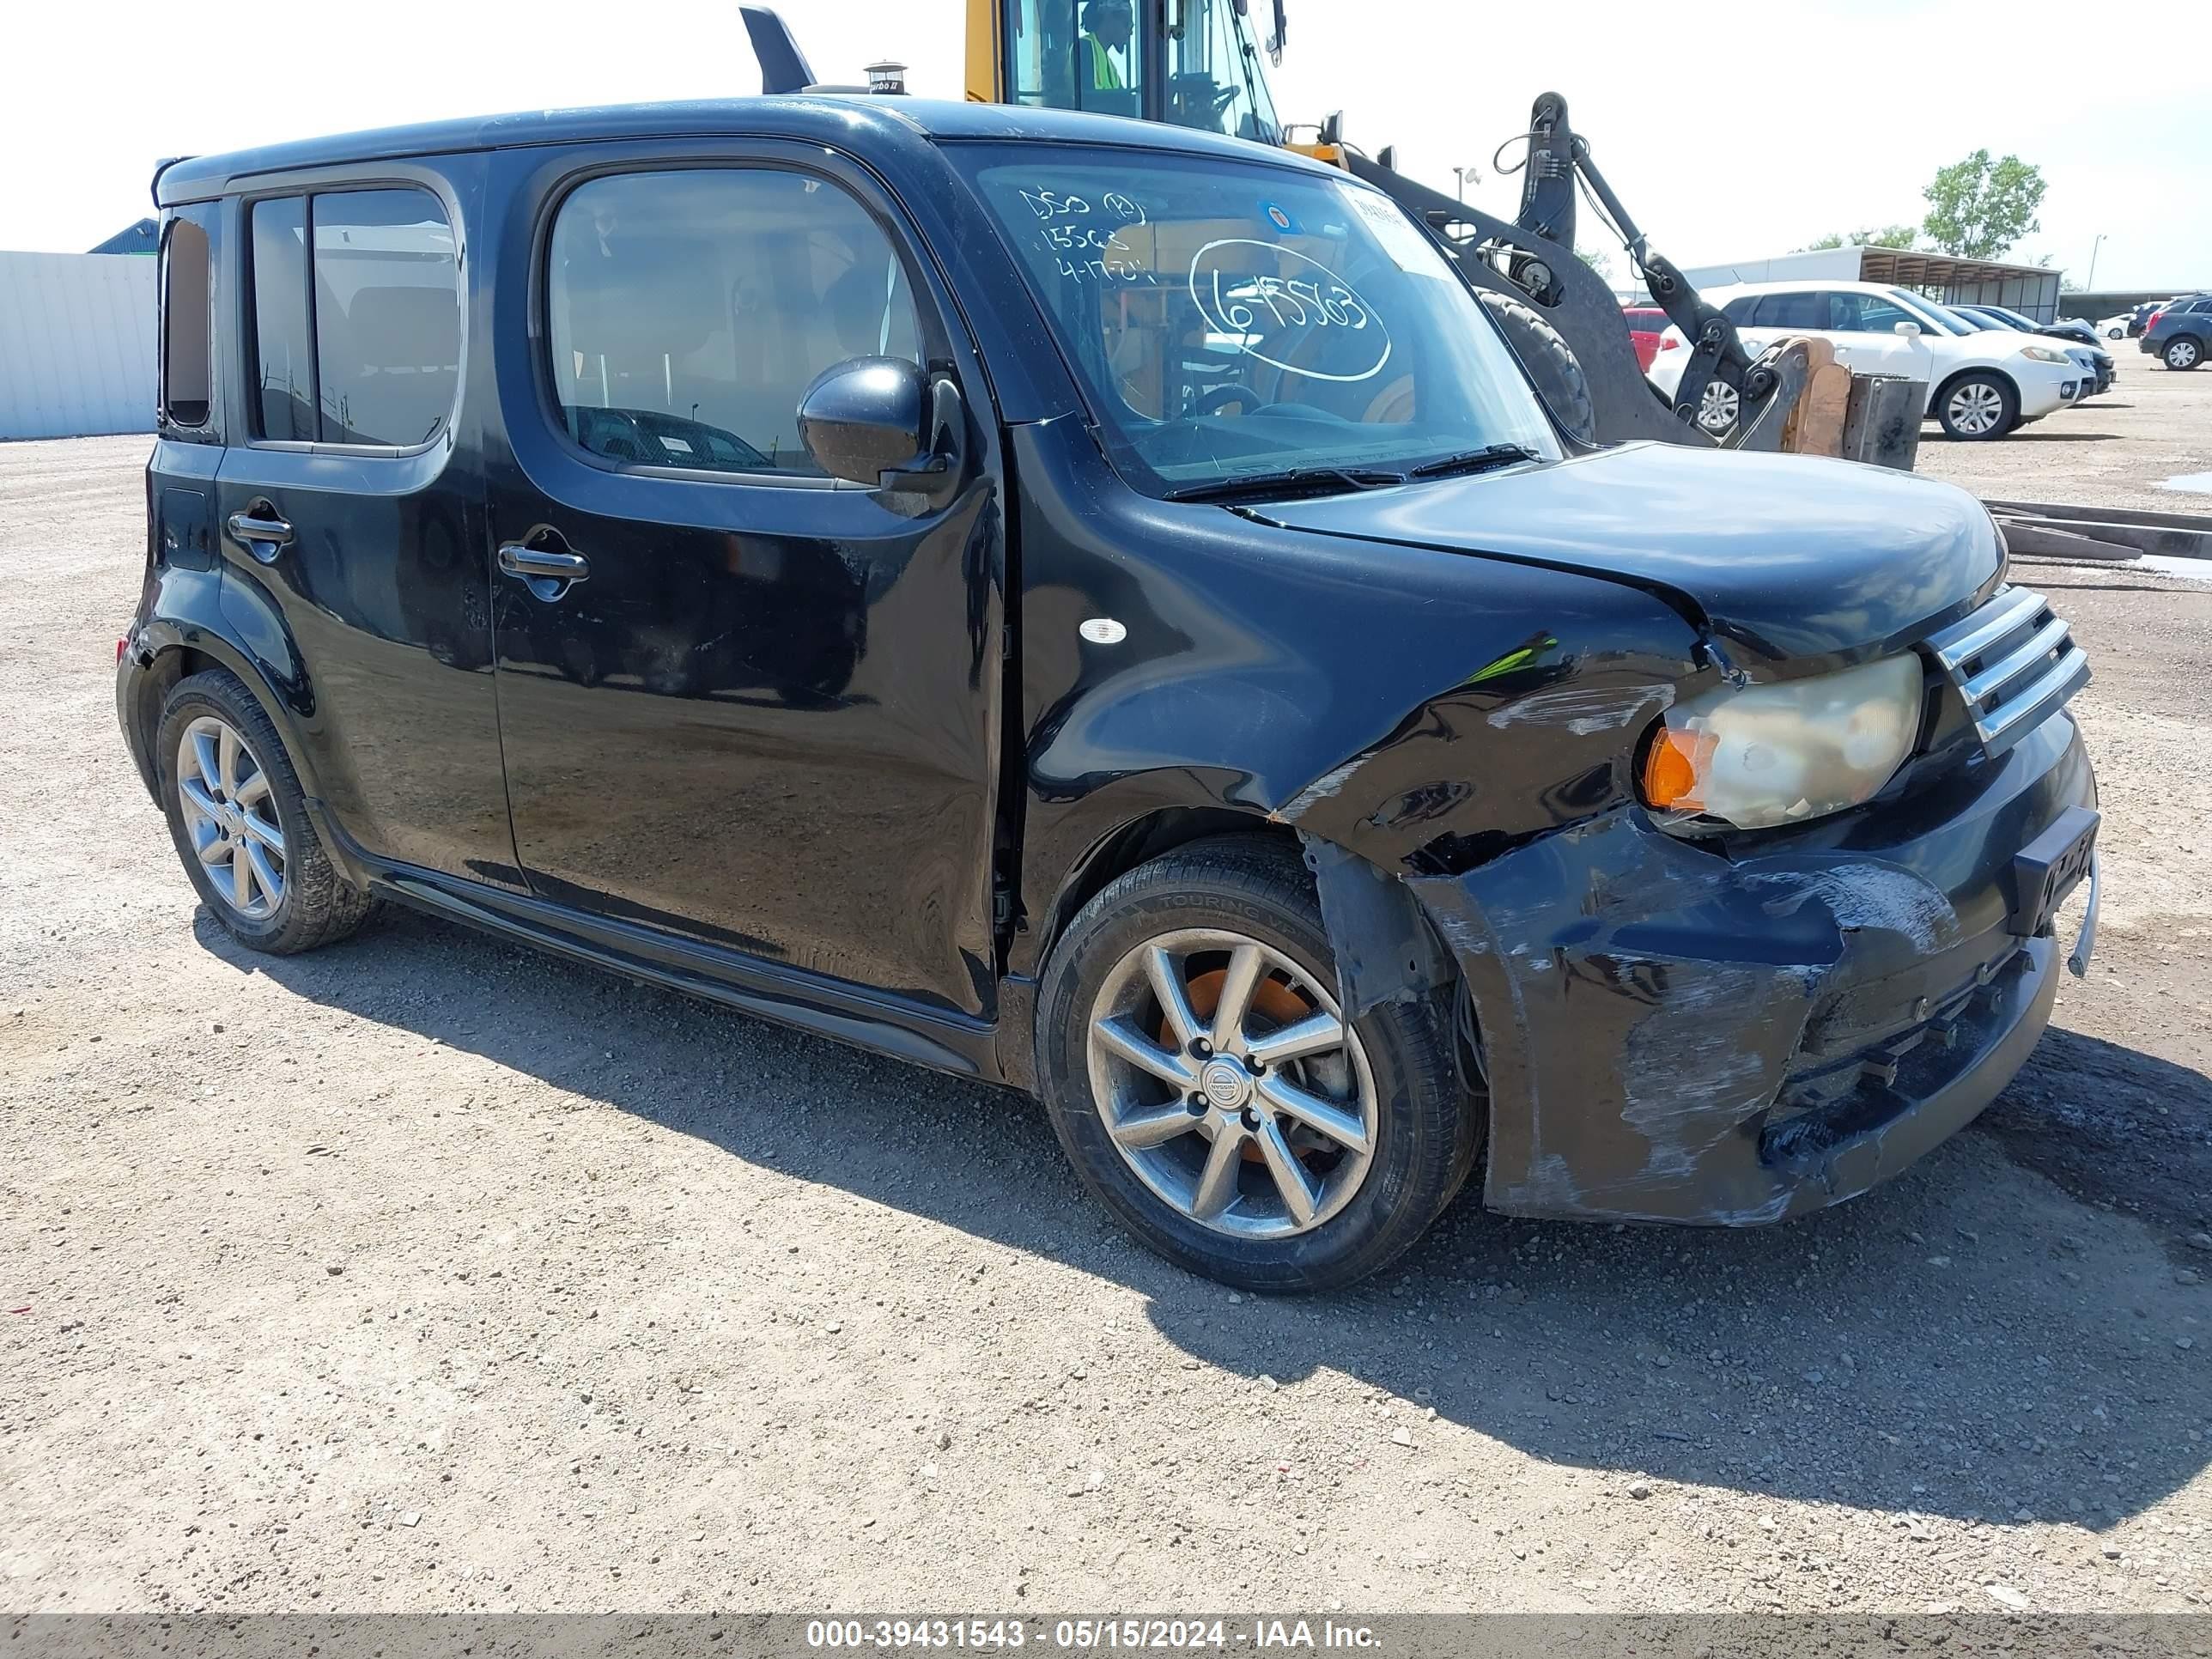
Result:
[[1965, 1341]]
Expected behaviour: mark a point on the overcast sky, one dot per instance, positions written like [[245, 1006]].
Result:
[[1731, 129]]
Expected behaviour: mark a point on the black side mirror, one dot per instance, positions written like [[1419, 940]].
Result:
[[866, 416]]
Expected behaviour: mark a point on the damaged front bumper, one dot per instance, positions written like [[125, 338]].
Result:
[[1673, 1035]]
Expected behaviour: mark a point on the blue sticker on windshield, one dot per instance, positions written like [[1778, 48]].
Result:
[[1280, 220]]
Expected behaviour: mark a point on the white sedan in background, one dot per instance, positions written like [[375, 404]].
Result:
[[2114, 328], [1981, 385]]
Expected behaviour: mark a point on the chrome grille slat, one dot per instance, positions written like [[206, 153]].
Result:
[[1980, 629], [1996, 676], [2015, 720], [2015, 664]]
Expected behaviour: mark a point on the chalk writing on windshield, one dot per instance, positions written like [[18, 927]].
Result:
[[1085, 241], [1264, 298]]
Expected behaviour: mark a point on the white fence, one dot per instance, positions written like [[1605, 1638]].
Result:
[[76, 345]]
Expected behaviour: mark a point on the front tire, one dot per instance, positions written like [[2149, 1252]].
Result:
[[2182, 355], [240, 822], [1978, 407], [1196, 1071], [1550, 361]]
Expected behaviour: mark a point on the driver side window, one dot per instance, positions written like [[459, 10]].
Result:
[[690, 311], [1864, 314]]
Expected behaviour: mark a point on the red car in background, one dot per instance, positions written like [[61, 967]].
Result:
[[1645, 325]]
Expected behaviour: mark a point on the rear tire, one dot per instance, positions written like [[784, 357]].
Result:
[[1977, 407], [2182, 354], [243, 805], [1359, 1210], [1550, 361]]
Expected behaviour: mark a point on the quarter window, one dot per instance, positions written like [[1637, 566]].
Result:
[[361, 344], [185, 333], [688, 311]]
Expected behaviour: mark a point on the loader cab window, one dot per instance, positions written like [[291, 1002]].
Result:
[[1076, 54], [1214, 82]]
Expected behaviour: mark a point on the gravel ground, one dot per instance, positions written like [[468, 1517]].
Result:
[[430, 1274], [2114, 451]]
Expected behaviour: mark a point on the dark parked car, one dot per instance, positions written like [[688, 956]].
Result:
[[2180, 333], [1085, 605], [2097, 371], [2070, 329], [2143, 314]]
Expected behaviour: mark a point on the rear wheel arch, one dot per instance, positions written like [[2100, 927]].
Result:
[[176, 657], [2192, 340]]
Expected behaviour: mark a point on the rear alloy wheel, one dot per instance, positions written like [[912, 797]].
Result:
[[230, 817], [241, 825], [1193, 1058], [2182, 354], [1975, 408]]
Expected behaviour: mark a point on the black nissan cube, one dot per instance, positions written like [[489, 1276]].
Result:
[[1099, 609]]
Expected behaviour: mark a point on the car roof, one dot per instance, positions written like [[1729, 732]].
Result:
[[1793, 285], [816, 117]]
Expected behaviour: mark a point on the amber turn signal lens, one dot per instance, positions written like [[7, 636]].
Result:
[[1672, 768]]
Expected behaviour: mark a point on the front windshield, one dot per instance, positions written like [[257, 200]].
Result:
[[1226, 319]]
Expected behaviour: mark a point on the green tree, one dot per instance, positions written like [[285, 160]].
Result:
[[1887, 236], [1978, 209], [1597, 259]]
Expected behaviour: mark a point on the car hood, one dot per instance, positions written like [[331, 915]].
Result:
[[1788, 555]]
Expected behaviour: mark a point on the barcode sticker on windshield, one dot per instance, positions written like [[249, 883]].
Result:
[[1401, 239]]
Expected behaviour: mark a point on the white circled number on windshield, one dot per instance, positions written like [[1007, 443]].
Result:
[[1237, 300]]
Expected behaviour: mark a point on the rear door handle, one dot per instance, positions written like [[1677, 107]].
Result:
[[536, 565], [260, 532]]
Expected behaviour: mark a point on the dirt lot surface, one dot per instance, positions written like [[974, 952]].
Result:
[[2118, 450], [428, 1273]]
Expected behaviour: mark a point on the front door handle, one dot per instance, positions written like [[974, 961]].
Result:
[[548, 572], [260, 532]]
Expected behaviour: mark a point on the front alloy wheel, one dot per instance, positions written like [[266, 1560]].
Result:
[[1977, 407], [230, 816], [1191, 1053], [1230, 1085]]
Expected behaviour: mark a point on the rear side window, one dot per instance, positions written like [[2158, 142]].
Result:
[[387, 316], [688, 311], [284, 360], [360, 341], [185, 330], [1805, 309]]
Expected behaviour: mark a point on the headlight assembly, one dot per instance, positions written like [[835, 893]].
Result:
[[2045, 355], [1765, 755]]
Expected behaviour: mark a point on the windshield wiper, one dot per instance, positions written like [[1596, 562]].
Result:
[[1295, 481], [1474, 460]]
